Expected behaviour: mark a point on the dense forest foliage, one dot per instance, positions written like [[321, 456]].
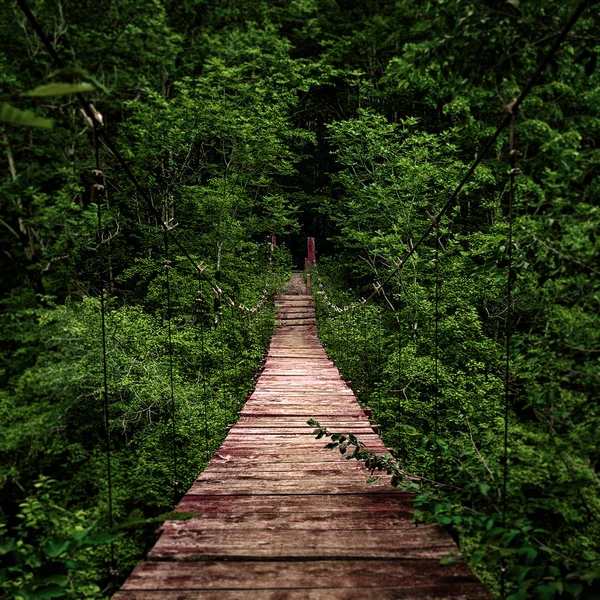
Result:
[[348, 121]]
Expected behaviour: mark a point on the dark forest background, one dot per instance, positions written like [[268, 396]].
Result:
[[347, 121]]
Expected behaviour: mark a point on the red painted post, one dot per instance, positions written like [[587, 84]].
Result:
[[311, 250]]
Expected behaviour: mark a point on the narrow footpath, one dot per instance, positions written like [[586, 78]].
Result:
[[278, 516]]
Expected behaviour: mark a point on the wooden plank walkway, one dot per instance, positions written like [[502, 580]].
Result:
[[278, 516]]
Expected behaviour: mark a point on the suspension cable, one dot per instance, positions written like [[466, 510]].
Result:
[[366, 360], [203, 367], [379, 364], [437, 346], [234, 344], [174, 481], [399, 338], [222, 344], [97, 187], [508, 331]]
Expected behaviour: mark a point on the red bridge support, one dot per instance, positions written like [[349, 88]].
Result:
[[310, 260]]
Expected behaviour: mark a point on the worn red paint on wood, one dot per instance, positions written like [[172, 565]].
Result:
[[310, 250], [279, 516]]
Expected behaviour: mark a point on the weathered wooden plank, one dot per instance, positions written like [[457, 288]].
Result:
[[265, 575], [294, 314], [426, 542], [212, 488], [293, 442], [295, 365], [360, 503], [335, 476], [355, 428], [257, 485], [306, 521], [289, 425], [285, 420], [295, 435], [302, 304], [457, 591], [267, 455], [296, 353], [344, 391], [274, 385], [306, 399], [303, 449], [340, 420], [227, 487], [232, 465], [298, 411], [319, 373]]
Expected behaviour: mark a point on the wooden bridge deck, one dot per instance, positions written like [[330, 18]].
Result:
[[278, 516]]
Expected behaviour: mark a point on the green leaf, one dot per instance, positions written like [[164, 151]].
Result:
[[60, 580], [591, 576], [100, 538], [59, 89], [54, 548], [47, 592], [373, 480], [7, 545], [174, 516], [547, 591], [135, 517], [449, 558], [79, 534], [528, 554], [519, 572], [16, 116], [574, 589], [74, 73], [484, 488]]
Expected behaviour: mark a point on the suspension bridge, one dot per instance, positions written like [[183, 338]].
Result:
[[276, 515]]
